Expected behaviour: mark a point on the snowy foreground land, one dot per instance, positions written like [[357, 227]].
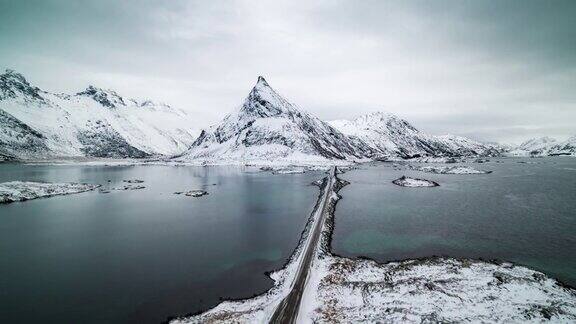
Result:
[[23, 190], [339, 289]]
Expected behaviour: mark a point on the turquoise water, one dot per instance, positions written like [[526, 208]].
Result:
[[522, 212], [145, 255]]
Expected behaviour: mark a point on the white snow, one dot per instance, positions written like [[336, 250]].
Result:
[[22, 190], [435, 290]]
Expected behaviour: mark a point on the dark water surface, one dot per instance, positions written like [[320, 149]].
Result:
[[142, 256], [522, 212]]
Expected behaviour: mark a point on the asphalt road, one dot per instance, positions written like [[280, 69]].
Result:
[[287, 311]]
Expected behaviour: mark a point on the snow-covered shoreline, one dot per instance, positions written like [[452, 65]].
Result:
[[25, 190], [450, 169]]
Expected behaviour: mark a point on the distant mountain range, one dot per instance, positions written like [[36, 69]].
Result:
[[389, 136], [36, 124], [545, 146]]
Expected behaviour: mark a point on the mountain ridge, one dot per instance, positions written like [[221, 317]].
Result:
[[545, 146], [267, 127], [90, 123]]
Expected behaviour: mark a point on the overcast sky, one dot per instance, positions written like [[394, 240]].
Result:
[[492, 70]]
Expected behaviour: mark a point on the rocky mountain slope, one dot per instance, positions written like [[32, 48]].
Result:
[[545, 146], [389, 136], [36, 124], [267, 128]]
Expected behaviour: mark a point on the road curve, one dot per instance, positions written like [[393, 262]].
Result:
[[287, 310]]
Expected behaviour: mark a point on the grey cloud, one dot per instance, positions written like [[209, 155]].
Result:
[[494, 70]]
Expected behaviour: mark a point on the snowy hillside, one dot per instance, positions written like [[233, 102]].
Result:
[[267, 128], [94, 122], [544, 146], [534, 146], [568, 147], [389, 136]]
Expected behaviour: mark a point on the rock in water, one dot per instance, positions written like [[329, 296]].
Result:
[[192, 193], [405, 181]]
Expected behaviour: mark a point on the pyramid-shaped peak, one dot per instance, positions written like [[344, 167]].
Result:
[[262, 85], [262, 81], [263, 101]]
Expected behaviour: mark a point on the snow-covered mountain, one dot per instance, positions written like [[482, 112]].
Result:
[[544, 146], [534, 146], [268, 128], [37, 124], [389, 136], [568, 147]]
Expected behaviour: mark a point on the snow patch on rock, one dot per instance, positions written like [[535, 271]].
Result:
[[405, 181], [450, 170]]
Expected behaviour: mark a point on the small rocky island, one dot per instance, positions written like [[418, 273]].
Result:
[[192, 193], [405, 181]]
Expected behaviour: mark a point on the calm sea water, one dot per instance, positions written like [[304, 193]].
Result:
[[522, 212], [142, 256]]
